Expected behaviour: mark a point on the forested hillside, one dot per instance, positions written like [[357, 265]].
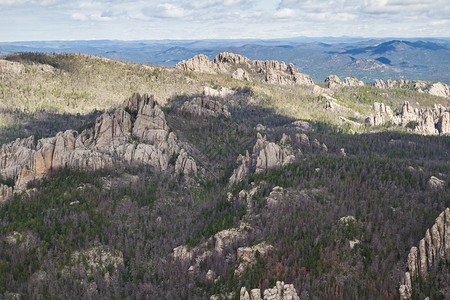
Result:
[[217, 185]]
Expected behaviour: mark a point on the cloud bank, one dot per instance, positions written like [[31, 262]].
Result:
[[140, 19]]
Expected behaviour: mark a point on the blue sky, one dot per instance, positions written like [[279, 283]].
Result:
[[25, 20]]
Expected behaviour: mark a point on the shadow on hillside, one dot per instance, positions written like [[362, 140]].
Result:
[[41, 124]]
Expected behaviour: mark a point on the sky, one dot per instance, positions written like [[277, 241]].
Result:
[[40, 20]]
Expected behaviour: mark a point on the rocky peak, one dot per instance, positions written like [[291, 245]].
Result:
[[232, 58], [433, 247], [239, 67], [109, 142], [333, 81], [199, 63]]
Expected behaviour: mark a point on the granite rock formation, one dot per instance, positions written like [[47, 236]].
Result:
[[433, 247], [280, 291], [240, 67], [136, 132], [436, 184], [224, 91], [432, 88], [223, 239], [429, 121], [6, 192], [265, 155], [247, 255], [333, 81], [11, 67]]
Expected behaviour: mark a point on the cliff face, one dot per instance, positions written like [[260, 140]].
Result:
[[430, 121], [433, 247], [240, 67], [136, 132]]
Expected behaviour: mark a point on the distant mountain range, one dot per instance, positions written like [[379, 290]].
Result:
[[426, 59]]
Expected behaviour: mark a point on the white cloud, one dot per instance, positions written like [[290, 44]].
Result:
[[102, 17], [79, 17], [285, 13], [437, 23], [29, 2], [168, 10]]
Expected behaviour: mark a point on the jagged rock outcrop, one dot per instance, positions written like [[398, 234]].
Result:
[[436, 184], [352, 82], [210, 275], [182, 252], [240, 67], [247, 255], [202, 106], [265, 155], [383, 114], [275, 196], [333, 81], [342, 153], [439, 89], [436, 89], [136, 132], [241, 75], [270, 155], [224, 91], [302, 139], [433, 247], [222, 240], [199, 63], [11, 67], [6, 192], [243, 169], [226, 237], [280, 291], [429, 121]]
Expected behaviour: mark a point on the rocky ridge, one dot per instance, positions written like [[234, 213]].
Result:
[[433, 247], [429, 121], [136, 132], [436, 89], [240, 67]]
